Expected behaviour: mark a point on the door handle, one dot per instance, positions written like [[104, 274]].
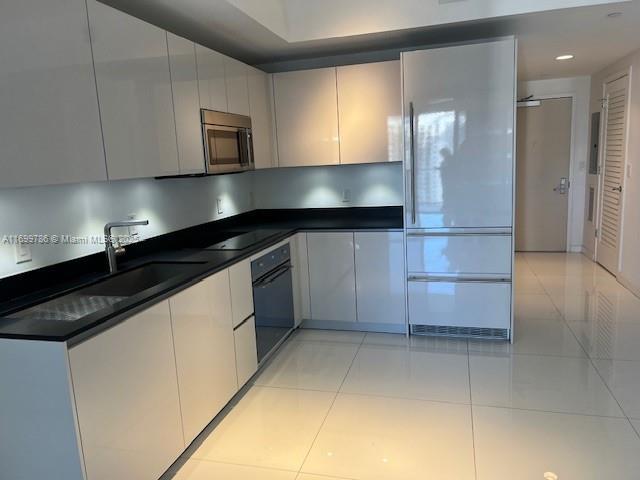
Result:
[[617, 189], [412, 158], [563, 187]]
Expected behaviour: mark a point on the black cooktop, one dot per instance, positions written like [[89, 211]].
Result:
[[243, 240]]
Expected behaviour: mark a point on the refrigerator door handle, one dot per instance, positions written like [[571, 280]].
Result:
[[412, 159]]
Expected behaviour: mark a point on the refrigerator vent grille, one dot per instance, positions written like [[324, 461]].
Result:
[[446, 331]]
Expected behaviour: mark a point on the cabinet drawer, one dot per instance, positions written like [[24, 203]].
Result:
[[460, 304], [246, 353], [466, 253]]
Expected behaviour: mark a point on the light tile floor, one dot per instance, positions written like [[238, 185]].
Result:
[[564, 399]]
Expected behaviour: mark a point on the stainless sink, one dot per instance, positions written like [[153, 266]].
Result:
[[107, 292]]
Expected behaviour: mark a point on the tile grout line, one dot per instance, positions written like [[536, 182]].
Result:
[[589, 357], [335, 397]]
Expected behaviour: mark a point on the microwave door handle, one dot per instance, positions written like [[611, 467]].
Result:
[[250, 153]]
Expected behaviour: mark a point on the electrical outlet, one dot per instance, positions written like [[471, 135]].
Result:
[[346, 195], [133, 230], [22, 252], [219, 205]]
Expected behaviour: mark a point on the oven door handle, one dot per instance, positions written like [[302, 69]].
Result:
[[272, 277]]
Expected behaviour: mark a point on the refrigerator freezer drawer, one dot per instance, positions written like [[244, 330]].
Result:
[[460, 304], [459, 254]]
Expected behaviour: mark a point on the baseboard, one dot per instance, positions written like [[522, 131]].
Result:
[[354, 326], [628, 285]]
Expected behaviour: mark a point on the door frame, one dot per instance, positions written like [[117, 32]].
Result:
[[600, 179], [572, 157]]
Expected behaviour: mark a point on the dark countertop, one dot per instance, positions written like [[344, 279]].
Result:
[[32, 288]]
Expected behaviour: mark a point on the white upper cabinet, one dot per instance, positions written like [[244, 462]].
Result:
[[380, 278], [260, 98], [49, 120], [307, 117], [205, 352], [463, 98], [126, 395], [235, 76], [370, 112], [332, 281], [186, 103], [211, 80], [134, 89]]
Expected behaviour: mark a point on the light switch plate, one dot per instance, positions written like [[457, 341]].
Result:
[[22, 252]]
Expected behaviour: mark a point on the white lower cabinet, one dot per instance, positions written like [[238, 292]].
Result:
[[246, 353], [241, 291], [460, 304], [380, 280], [124, 383], [205, 354], [332, 280]]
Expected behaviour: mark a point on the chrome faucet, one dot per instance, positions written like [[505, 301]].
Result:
[[113, 250]]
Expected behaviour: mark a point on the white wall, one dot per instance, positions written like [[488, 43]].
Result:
[[630, 246], [369, 185], [172, 204], [579, 89]]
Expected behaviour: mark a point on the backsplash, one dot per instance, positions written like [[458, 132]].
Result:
[[81, 210], [367, 185]]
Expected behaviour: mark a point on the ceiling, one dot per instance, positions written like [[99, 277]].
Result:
[[285, 34]]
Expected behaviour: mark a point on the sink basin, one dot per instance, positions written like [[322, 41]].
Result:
[[95, 297], [129, 283]]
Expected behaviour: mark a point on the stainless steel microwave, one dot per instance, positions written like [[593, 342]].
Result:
[[228, 144]]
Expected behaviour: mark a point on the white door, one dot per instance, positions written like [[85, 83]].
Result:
[[306, 105], [373, 88], [611, 181], [380, 279], [542, 171], [134, 89], [332, 278], [459, 115]]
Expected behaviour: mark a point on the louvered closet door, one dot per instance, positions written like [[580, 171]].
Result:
[[616, 93]]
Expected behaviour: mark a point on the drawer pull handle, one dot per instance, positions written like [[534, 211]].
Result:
[[415, 278]]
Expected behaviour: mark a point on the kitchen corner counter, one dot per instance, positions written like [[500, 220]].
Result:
[[186, 247]]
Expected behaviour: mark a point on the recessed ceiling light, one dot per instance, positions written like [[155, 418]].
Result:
[[614, 14], [567, 56]]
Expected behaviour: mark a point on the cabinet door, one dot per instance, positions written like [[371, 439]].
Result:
[[124, 382], [49, 120], [211, 82], [380, 280], [241, 291], [205, 356], [260, 96], [246, 351], [134, 88], [235, 76], [186, 103], [376, 136], [306, 106], [463, 135], [332, 281]]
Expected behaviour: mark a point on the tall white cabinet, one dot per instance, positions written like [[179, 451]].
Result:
[[236, 83], [49, 119], [134, 90], [459, 166], [186, 103], [306, 117]]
